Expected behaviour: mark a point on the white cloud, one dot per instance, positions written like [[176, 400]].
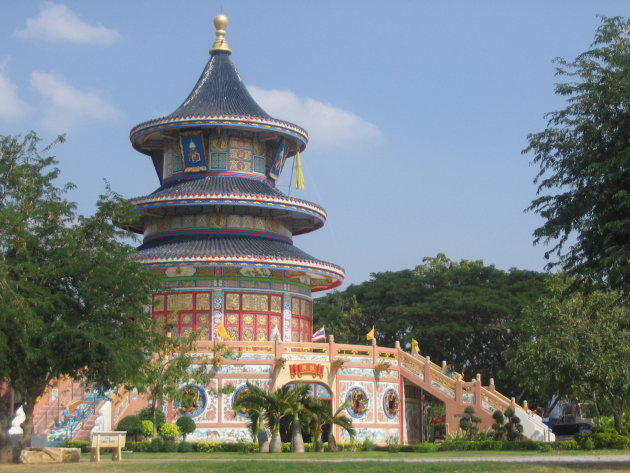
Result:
[[59, 23], [11, 106], [67, 104], [330, 128]]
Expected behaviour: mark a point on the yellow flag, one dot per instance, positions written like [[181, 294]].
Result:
[[299, 175], [415, 348], [371, 335], [222, 332]]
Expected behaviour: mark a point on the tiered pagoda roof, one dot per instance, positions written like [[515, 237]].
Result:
[[218, 102]]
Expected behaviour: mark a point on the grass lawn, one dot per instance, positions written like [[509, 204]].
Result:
[[342, 462]]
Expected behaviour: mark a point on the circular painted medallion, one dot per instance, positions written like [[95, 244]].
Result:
[[391, 403], [359, 402], [194, 401], [237, 392]]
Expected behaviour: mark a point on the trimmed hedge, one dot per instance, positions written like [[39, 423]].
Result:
[[603, 441], [607, 439]]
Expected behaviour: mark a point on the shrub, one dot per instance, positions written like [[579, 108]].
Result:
[[393, 447], [489, 444], [607, 439], [245, 447], [140, 446], [168, 430], [146, 414], [507, 425], [589, 444], [186, 426], [455, 445], [132, 425], [205, 447], [426, 447], [169, 446], [185, 447], [367, 445], [469, 423], [156, 445], [566, 445], [349, 446], [84, 445], [520, 445], [147, 428]]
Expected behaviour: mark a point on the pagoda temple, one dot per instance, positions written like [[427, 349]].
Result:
[[220, 235], [218, 229]]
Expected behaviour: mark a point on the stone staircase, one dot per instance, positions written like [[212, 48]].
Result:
[[456, 394], [83, 404]]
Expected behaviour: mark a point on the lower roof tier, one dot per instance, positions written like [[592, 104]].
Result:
[[242, 252]]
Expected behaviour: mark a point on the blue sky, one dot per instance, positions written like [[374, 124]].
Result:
[[417, 110]]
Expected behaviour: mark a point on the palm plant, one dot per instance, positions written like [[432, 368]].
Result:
[[255, 400], [322, 415], [294, 399], [275, 411]]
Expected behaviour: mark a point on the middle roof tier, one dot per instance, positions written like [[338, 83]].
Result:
[[229, 195]]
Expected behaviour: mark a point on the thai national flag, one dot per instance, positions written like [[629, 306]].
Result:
[[319, 335]]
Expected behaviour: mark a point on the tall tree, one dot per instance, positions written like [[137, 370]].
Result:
[[254, 401], [459, 311], [584, 163], [576, 345], [321, 415], [169, 364], [72, 298], [296, 399]]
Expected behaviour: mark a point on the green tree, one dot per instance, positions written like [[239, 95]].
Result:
[[72, 298], [469, 423], [584, 163], [169, 363], [132, 425], [507, 425], [254, 401], [186, 426], [295, 398], [273, 408], [169, 431], [146, 414], [461, 312], [321, 415], [575, 345]]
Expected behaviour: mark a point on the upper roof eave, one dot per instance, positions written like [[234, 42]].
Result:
[[142, 131]]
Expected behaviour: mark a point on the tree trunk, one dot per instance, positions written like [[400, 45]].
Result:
[[263, 441], [276, 442], [319, 444], [332, 443], [6, 450], [596, 404], [154, 417], [6, 414], [27, 425], [297, 441]]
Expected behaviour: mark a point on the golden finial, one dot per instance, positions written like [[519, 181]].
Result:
[[220, 44]]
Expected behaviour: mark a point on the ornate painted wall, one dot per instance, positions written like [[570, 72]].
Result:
[[232, 151], [254, 315]]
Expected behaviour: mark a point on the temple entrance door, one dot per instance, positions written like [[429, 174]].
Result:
[[425, 416]]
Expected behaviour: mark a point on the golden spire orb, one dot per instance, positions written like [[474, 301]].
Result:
[[220, 44]]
